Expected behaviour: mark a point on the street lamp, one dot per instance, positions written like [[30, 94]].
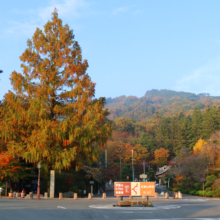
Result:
[[38, 187]]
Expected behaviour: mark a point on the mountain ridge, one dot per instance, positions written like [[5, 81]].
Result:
[[166, 102]]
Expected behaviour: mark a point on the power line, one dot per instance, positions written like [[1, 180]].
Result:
[[154, 139]]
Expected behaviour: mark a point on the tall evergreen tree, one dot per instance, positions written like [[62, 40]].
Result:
[[208, 125], [197, 123]]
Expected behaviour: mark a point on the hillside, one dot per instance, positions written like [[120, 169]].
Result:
[[166, 102]]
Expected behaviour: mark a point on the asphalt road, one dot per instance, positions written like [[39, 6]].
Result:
[[190, 207]]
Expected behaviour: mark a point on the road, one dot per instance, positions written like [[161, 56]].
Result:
[[190, 207]]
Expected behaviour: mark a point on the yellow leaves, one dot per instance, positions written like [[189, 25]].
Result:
[[198, 146]]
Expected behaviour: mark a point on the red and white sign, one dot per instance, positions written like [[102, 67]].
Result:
[[134, 188], [122, 189]]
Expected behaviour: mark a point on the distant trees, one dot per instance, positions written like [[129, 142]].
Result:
[[190, 167], [160, 157]]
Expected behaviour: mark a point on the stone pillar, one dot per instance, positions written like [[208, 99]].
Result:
[[104, 196], [130, 197], [89, 196], [18, 195], [166, 195], [176, 195], [60, 195], [31, 195], [180, 196], [52, 183], [156, 195], [46, 195], [75, 196], [14, 195]]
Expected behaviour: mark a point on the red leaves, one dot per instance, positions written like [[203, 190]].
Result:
[[8, 165]]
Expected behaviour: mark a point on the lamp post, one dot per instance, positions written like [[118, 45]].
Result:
[[38, 187]]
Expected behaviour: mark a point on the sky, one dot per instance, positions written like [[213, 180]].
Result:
[[131, 46]]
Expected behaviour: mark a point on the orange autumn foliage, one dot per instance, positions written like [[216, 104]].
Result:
[[9, 166], [51, 115], [161, 155]]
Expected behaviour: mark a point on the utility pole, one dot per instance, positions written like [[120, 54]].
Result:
[[144, 170], [120, 167], [106, 158], [132, 164]]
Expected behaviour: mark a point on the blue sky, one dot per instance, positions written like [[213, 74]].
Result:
[[131, 46]]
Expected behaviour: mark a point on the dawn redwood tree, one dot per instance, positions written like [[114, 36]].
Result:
[[52, 115]]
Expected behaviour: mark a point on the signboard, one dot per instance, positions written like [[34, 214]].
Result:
[[143, 176], [122, 189], [134, 188], [147, 189]]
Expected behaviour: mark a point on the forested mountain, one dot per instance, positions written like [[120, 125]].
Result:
[[166, 102]]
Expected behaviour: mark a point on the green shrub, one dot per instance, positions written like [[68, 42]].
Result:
[[176, 189], [184, 191], [198, 186], [200, 193], [210, 180], [209, 194], [217, 193], [208, 189], [192, 192]]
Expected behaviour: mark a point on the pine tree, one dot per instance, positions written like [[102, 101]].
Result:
[[197, 123], [208, 123], [52, 116]]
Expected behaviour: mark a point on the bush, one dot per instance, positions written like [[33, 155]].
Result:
[[192, 192], [200, 193], [198, 186], [209, 194], [210, 180], [217, 193], [184, 191], [208, 189], [176, 189]]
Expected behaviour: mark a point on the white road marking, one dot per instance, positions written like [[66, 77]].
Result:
[[61, 207], [199, 200], [180, 219], [202, 200], [134, 208], [142, 212]]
